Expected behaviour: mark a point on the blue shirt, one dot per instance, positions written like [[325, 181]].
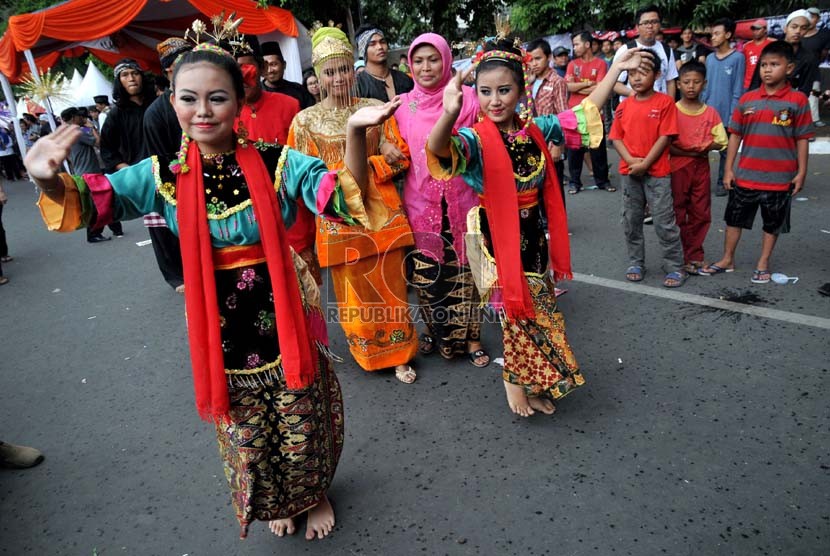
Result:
[[724, 83]]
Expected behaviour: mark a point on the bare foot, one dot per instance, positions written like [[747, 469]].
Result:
[[542, 404], [517, 400], [320, 520], [281, 527], [180, 288]]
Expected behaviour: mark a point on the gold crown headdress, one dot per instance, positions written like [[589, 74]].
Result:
[[225, 31]]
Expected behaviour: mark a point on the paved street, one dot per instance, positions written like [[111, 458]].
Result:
[[701, 431]]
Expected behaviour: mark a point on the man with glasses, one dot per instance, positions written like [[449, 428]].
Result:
[[648, 25], [752, 49]]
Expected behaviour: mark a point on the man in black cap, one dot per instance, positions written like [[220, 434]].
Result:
[[274, 69], [102, 103], [561, 58], [162, 138]]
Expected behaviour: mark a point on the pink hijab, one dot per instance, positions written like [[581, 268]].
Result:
[[423, 194]]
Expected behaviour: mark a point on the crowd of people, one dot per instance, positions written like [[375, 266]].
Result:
[[406, 177]]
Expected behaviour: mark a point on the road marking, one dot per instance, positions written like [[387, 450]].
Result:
[[673, 295]]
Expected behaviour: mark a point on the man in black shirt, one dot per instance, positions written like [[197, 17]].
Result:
[[817, 41], [162, 138], [379, 80], [806, 71], [273, 80]]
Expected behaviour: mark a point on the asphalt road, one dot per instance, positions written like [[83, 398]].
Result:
[[700, 430]]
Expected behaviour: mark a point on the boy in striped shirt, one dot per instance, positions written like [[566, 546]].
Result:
[[774, 124]]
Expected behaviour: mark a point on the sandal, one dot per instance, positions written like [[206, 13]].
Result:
[[634, 274], [674, 279], [696, 269], [573, 190], [406, 375], [478, 354], [715, 269], [426, 344], [610, 188], [3, 280], [760, 276]]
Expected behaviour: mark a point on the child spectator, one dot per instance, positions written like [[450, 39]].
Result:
[[643, 127], [774, 124], [725, 71], [700, 130]]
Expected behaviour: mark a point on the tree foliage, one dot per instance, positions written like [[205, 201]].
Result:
[[540, 17]]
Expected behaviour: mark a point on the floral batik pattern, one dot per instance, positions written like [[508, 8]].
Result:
[[537, 355], [281, 450], [447, 295]]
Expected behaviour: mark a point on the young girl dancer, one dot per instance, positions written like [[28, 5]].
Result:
[[504, 159]]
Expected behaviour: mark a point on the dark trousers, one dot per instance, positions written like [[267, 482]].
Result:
[[115, 227], [4, 247], [599, 158], [10, 167], [168, 255], [560, 174]]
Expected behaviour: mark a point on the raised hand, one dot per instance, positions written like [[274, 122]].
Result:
[[369, 116], [634, 58], [44, 159], [453, 92]]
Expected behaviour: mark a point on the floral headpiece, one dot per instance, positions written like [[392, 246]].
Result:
[[523, 58], [225, 31]]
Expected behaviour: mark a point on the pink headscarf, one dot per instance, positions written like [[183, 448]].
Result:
[[418, 113]]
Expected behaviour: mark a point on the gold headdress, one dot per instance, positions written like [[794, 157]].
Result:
[[225, 32], [329, 42]]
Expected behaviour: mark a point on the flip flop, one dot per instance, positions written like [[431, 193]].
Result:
[[760, 276], [713, 269]]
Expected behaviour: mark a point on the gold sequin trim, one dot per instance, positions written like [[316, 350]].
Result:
[[534, 173], [261, 368]]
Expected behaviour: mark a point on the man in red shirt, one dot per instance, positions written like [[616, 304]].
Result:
[[752, 49], [581, 77], [267, 117]]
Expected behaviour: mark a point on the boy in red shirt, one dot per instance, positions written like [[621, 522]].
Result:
[[774, 124], [581, 77], [700, 130], [644, 124]]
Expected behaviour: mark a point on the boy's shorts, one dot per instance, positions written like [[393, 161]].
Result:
[[743, 204]]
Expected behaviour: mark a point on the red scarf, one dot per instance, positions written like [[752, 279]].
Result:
[[502, 205], [298, 361]]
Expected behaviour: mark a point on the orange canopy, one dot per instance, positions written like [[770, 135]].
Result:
[[133, 26]]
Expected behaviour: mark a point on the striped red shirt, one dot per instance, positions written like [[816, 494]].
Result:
[[770, 125]]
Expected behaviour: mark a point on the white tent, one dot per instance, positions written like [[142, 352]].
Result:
[[93, 84]]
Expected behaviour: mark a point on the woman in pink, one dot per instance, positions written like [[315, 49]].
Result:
[[437, 211]]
